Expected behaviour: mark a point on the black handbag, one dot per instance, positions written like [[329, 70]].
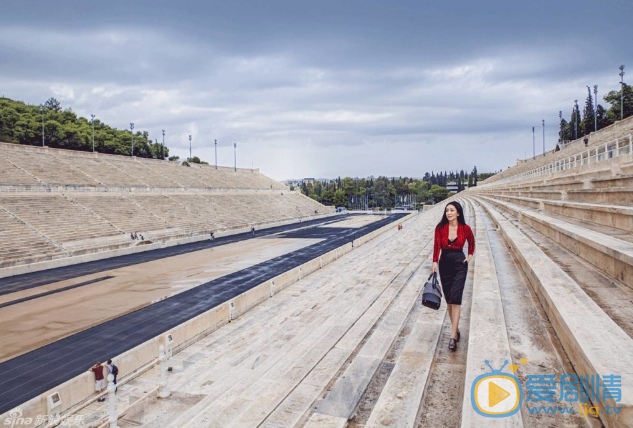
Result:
[[432, 294]]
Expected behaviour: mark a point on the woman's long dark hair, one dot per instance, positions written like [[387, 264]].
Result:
[[460, 211]]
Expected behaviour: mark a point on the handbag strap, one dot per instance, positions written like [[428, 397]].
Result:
[[435, 283]]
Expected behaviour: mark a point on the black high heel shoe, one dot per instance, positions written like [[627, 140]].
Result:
[[458, 336], [452, 345]]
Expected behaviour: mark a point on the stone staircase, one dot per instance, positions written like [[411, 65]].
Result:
[[26, 167], [607, 143], [550, 291], [60, 203], [77, 223]]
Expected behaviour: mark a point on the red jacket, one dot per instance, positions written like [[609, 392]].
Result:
[[464, 233]]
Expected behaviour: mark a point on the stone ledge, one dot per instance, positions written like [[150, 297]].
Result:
[[616, 216], [594, 343], [611, 255]]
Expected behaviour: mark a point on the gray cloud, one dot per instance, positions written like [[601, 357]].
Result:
[[324, 88]]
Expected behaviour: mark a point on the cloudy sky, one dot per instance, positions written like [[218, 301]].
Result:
[[322, 88]]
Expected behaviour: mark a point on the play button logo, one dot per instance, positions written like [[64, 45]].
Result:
[[496, 394]]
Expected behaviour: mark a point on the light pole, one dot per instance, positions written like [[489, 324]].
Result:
[[235, 155], [163, 144], [216, 153], [533, 144], [190, 147], [132, 132], [92, 119], [621, 92], [42, 108], [576, 120], [595, 98], [543, 137]]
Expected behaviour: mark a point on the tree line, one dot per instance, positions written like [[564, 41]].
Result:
[[579, 125], [21, 123], [384, 192]]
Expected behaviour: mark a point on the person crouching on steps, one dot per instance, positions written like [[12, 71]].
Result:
[[451, 234]]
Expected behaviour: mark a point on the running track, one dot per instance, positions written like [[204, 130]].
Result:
[[31, 374]]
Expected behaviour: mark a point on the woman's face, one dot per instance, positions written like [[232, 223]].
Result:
[[451, 213]]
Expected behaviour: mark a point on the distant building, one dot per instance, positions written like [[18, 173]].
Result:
[[292, 182], [451, 186], [298, 182]]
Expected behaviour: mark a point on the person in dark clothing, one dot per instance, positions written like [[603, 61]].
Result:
[[253, 231], [114, 371], [450, 236]]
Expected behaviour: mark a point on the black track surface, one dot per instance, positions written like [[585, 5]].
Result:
[[33, 373]]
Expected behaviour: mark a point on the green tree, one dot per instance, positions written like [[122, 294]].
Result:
[[21, 123], [614, 98], [328, 197], [603, 120], [339, 198], [587, 124], [53, 104], [348, 186], [438, 193], [567, 134]]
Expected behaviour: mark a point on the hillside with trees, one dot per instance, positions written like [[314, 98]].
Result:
[[385, 192], [21, 123]]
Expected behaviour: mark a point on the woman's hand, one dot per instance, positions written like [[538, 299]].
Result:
[[434, 267], [468, 259]]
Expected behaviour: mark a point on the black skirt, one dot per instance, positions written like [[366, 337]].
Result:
[[453, 272]]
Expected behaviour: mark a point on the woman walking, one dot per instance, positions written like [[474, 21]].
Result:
[[451, 234]]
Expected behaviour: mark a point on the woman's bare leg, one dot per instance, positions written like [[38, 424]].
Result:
[[449, 309], [455, 309]]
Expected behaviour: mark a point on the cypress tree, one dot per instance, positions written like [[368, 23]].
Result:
[[588, 116], [574, 123]]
